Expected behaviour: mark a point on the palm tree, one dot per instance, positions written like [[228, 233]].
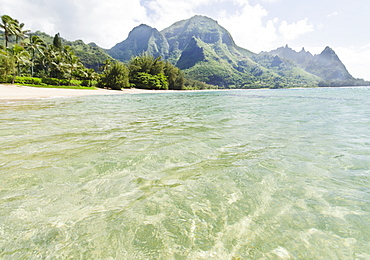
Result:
[[7, 65], [57, 64], [35, 46], [20, 57], [90, 75], [146, 68], [9, 25], [72, 62], [20, 33], [50, 60]]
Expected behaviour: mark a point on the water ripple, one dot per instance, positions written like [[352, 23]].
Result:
[[259, 174]]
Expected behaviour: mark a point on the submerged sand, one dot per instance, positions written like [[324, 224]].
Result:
[[15, 92]]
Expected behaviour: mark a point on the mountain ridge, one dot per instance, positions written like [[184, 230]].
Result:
[[325, 65], [142, 38], [206, 51]]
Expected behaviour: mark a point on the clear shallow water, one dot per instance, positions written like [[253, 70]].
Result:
[[254, 174]]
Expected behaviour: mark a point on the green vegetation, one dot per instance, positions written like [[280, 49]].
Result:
[[191, 54], [153, 73], [205, 51], [144, 39], [114, 76], [209, 54], [46, 61], [326, 67], [146, 72], [48, 82], [343, 83], [289, 75], [7, 67], [24, 61], [91, 56]]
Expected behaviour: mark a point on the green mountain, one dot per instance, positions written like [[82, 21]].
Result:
[[91, 55], [328, 66], [142, 38], [299, 58], [206, 51], [325, 65], [287, 69]]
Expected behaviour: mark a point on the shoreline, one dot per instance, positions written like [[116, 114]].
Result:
[[17, 92]]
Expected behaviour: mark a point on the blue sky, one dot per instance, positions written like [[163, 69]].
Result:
[[257, 25]]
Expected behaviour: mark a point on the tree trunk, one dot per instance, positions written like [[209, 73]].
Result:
[[33, 57]]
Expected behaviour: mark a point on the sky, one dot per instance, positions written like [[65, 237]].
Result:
[[256, 25]]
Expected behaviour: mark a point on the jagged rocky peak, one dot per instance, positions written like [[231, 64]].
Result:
[[93, 44], [328, 66], [142, 38], [328, 53], [141, 29], [328, 57], [300, 58], [144, 33], [328, 49], [201, 27]]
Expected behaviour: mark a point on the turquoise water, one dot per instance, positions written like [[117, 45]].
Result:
[[248, 174]]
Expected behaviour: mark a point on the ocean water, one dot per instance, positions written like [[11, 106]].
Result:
[[244, 174]]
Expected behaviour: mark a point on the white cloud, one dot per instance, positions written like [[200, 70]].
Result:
[[109, 22], [271, 1], [166, 12], [356, 59], [333, 14], [291, 31], [248, 29], [104, 22], [244, 22]]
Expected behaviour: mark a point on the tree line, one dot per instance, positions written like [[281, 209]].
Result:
[[25, 58]]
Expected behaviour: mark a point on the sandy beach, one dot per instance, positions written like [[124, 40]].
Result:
[[15, 92]]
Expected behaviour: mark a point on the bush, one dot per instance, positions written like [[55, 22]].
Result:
[[88, 83], [64, 82], [85, 83], [6, 79], [149, 81], [41, 81], [50, 81], [115, 77], [7, 66], [75, 82], [28, 80]]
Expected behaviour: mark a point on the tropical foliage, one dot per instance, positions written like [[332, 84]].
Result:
[[35, 58], [44, 60], [114, 76], [144, 72], [7, 67], [10, 27], [147, 72]]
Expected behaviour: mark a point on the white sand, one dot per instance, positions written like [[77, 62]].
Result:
[[15, 92]]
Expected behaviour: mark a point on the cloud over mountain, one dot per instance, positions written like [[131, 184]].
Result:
[[255, 24]]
